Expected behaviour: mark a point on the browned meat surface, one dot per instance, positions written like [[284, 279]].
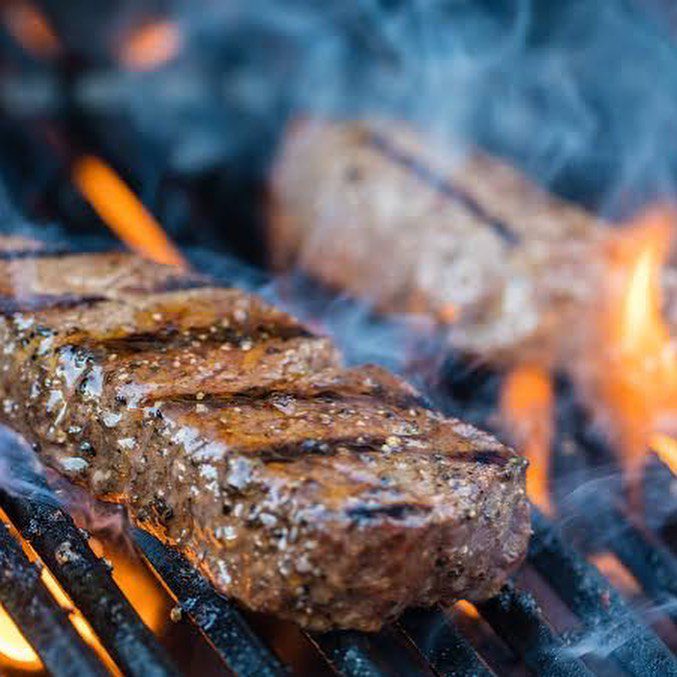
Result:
[[374, 209], [334, 497]]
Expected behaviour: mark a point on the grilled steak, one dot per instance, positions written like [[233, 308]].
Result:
[[375, 210], [334, 497]]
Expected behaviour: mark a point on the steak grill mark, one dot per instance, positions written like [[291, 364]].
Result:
[[267, 396], [10, 305], [441, 184]]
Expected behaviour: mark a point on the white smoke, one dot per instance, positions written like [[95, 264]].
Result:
[[583, 95]]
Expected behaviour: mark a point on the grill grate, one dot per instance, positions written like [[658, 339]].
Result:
[[598, 605], [218, 620], [44, 623], [423, 642], [63, 548], [441, 644]]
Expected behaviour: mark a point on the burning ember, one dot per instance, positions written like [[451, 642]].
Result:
[[151, 46], [630, 368], [123, 212], [31, 29]]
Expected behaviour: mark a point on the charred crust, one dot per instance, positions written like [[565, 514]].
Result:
[[43, 252], [175, 283], [308, 394], [394, 511], [167, 338], [161, 510], [10, 305], [291, 451], [488, 457]]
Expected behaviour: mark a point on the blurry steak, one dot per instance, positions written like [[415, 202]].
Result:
[[373, 209], [334, 497]]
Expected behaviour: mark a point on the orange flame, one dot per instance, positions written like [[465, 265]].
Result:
[[15, 651], [665, 448], [123, 212], [631, 370], [151, 46], [31, 29], [467, 609], [140, 586], [526, 411], [616, 572]]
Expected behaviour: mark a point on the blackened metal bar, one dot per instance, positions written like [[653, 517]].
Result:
[[219, 621], [652, 565], [443, 646], [87, 581], [357, 654], [348, 653], [604, 525], [517, 619], [44, 624], [599, 606]]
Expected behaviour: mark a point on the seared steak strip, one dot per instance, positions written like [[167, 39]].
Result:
[[334, 497], [375, 210]]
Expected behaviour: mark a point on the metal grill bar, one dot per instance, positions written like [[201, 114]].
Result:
[[45, 625], [63, 549], [605, 525], [362, 655], [218, 620], [597, 604], [517, 619], [444, 647], [653, 566]]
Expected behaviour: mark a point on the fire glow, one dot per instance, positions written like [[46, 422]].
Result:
[[151, 46], [32, 30], [527, 411], [626, 364], [630, 369]]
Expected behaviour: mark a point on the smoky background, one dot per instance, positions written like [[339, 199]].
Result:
[[581, 95]]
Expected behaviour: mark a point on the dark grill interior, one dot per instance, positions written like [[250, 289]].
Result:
[[560, 616]]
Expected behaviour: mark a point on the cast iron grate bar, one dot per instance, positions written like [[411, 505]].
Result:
[[220, 622], [63, 549], [368, 655], [433, 633], [517, 619], [43, 622], [604, 524], [652, 565], [601, 608]]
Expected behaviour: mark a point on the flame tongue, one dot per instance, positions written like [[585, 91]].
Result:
[[629, 373], [527, 414], [123, 212]]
